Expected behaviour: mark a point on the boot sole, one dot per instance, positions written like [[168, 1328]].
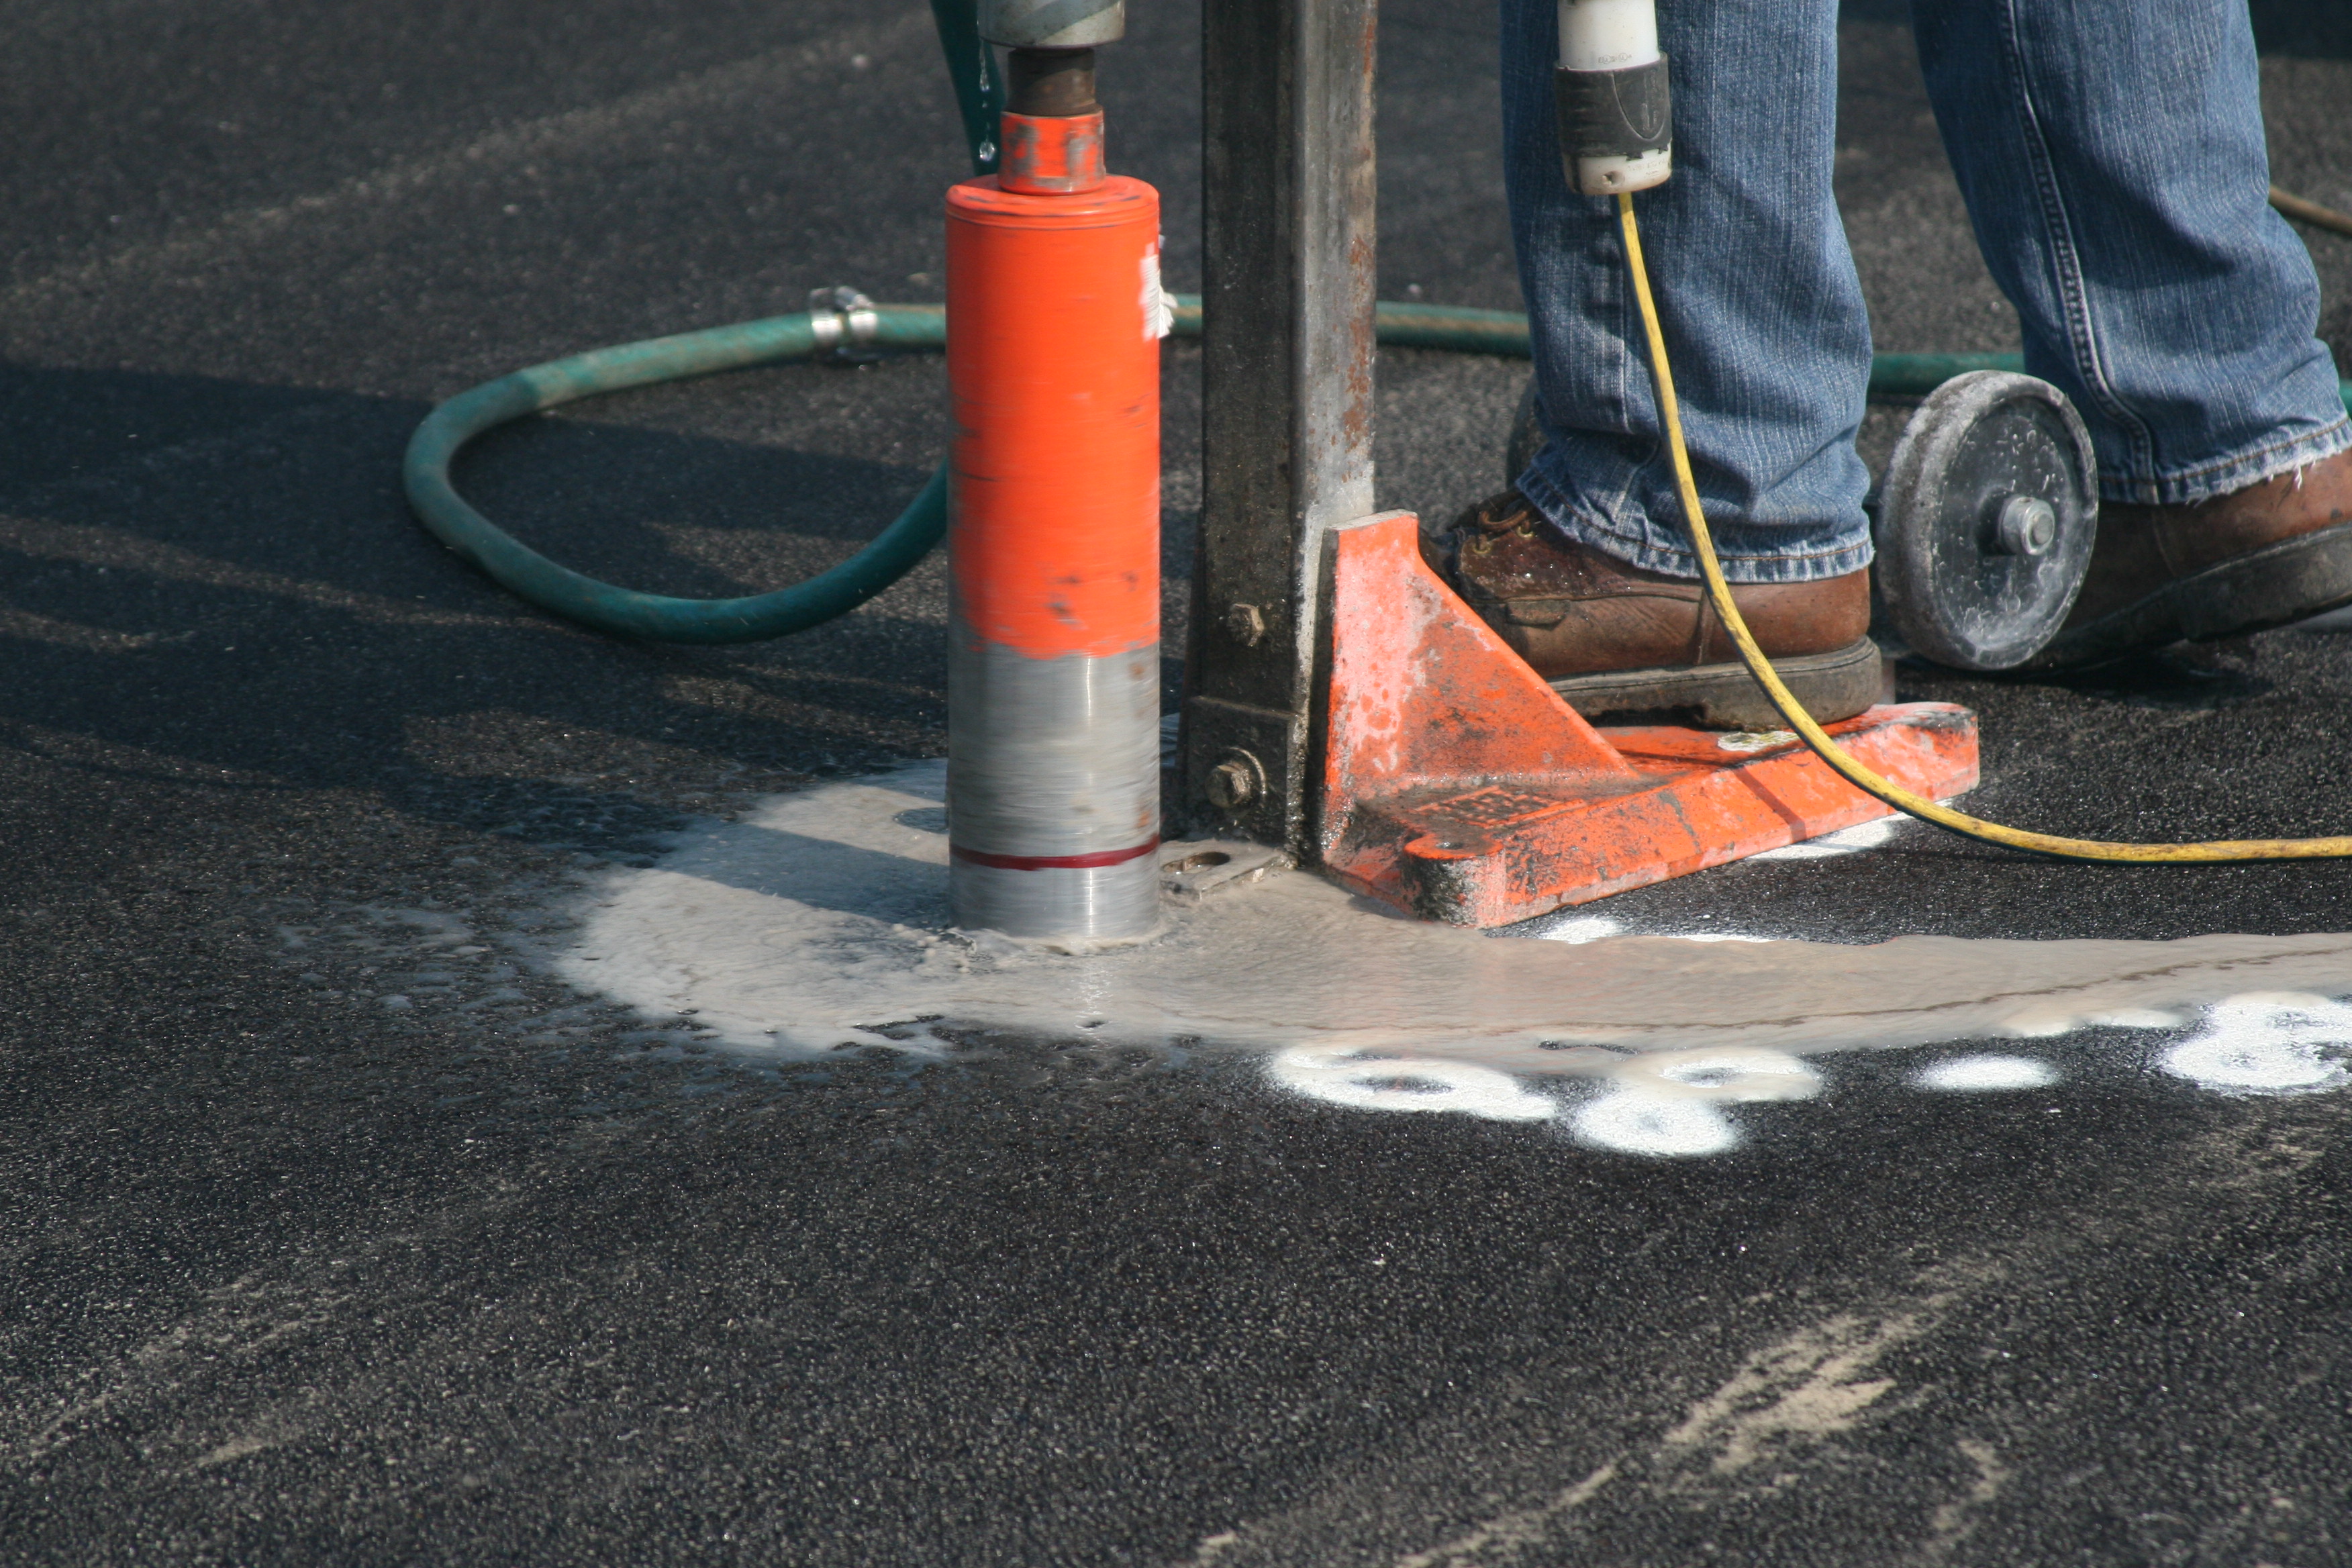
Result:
[[1832, 686], [2274, 586]]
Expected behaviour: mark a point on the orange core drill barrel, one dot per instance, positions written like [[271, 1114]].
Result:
[[1054, 316]]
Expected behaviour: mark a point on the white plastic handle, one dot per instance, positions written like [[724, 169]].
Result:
[[1608, 34]]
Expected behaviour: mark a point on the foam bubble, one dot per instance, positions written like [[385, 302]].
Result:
[[1634, 1122], [1720, 1073], [1369, 1081], [1986, 1072], [2267, 1044]]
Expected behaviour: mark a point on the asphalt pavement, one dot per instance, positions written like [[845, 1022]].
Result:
[[340, 1228]]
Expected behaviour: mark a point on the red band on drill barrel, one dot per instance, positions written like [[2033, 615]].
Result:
[[1054, 862]]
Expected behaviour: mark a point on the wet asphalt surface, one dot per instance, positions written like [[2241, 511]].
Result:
[[337, 1231]]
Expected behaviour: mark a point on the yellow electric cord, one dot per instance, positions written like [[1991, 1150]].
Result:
[[1814, 736]]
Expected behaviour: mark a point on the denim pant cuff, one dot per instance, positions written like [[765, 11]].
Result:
[[2220, 477], [1665, 548]]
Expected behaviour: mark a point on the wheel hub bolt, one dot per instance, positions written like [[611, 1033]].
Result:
[[2027, 525]]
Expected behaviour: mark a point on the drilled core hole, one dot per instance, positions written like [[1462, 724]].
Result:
[[1201, 862]]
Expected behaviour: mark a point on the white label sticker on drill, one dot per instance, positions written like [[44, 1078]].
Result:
[[1159, 315]]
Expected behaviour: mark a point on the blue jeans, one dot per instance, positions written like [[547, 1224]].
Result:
[[2113, 163]]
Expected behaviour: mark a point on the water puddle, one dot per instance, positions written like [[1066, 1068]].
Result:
[[819, 922]]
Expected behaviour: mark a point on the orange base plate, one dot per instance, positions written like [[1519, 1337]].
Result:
[[1458, 786]]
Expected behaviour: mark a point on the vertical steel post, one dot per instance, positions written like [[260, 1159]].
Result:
[[1288, 366]]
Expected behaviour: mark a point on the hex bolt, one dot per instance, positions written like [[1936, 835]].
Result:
[[2027, 525], [1232, 784], [1246, 624]]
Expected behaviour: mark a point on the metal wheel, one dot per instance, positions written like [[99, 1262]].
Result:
[[1986, 521]]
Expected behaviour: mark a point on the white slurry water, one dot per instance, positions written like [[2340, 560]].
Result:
[[819, 921]]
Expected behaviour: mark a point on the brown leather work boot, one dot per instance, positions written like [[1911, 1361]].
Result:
[[2263, 556], [1616, 639]]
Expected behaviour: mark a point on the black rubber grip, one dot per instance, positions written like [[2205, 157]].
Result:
[[1622, 114]]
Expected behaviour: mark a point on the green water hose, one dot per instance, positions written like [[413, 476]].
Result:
[[780, 340], [659, 617]]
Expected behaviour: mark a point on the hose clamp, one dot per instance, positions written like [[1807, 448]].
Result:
[[844, 322]]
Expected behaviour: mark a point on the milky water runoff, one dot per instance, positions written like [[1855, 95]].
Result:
[[819, 921]]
